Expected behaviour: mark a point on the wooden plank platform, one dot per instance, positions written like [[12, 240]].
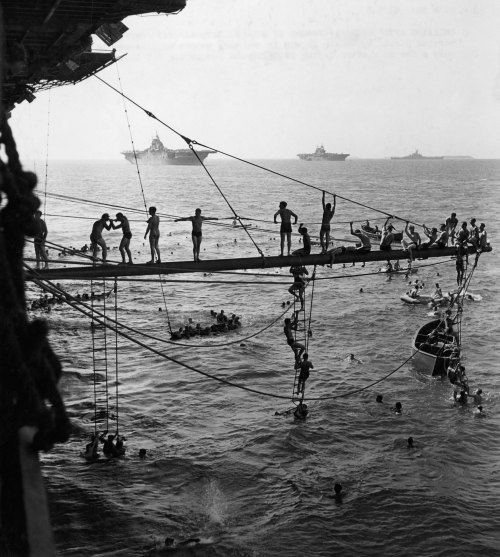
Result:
[[175, 267]]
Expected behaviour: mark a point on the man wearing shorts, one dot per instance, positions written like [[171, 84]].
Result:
[[196, 236], [286, 225], [127, 234], [324, 233], [154, 235], [96, 238], [39, 240]]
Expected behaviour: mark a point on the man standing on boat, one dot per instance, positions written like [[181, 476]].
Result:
[[154, 235], [127, 234], [96, 238], [286, 225], [196, 236], [324, 233], [387, 236]]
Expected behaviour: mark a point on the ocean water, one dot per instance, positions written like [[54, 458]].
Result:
[[220, 465]]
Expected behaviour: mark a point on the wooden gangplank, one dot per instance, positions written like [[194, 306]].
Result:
[[234, 264]]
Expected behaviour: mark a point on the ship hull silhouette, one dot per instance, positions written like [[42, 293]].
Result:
[[158, 154], [321, 155], [416, 156]]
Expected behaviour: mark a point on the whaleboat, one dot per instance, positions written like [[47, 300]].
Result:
[[377, 236], [432, 349]]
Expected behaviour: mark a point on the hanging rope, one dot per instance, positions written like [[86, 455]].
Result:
[[131, 138], [140, 182], [191, 143], [46, 158], [78, 307], [245, 228], [116, 361]]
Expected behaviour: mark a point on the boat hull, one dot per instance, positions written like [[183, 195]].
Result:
[[328, 157], [432, 358], [176, 157], [376, 237]]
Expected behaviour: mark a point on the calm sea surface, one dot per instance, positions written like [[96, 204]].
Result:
[[221, 466]]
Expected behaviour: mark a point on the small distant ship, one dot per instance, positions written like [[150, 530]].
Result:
[[158, 154], [321, 155], [416, 156]]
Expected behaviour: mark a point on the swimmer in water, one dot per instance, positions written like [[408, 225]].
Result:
[[352, 358], [337, 488], [478, 399], [301, 411], [410, 443], [379, 398], [398, 408]]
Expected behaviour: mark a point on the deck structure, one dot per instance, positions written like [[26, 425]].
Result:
[[176, 267]]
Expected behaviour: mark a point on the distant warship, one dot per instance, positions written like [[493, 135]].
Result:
[[416, 156], [159, 154], [321, 155]]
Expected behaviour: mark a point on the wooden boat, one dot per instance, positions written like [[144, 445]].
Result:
[[377, 236], [432, 349]]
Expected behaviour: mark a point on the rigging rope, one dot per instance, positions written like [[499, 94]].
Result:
[[40, 281], [131, 139], [46, 158], [192, 142], [116, 361], [245, 228]]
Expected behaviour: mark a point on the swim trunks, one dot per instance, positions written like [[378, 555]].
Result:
[[196, 234], [385, 248], [325, 228], [128, 235], [286, 227]]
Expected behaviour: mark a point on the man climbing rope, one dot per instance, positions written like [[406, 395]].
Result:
[[289, 328], [197, 221], [305, 365], [299, 283]]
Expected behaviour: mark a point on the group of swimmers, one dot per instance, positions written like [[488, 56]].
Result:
[[112, 446], [223, 325]]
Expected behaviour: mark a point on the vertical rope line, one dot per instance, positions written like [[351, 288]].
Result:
[[190, 144], [106, 389], [131, 139], [116, 357], [313, 278], [93, 331], [140, 183], [46, 159]]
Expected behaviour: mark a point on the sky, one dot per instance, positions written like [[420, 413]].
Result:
[[270, 79]]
